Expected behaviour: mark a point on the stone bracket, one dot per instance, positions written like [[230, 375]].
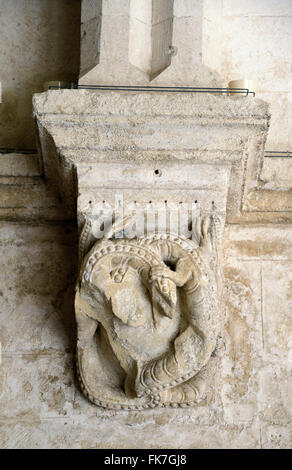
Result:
[[149, 287]]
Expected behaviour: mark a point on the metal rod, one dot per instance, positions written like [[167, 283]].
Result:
[[12, 150], [169, 89], [277, 154]]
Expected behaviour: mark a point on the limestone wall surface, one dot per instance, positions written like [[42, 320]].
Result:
[[41, 405], [253, 40], [39, 43]]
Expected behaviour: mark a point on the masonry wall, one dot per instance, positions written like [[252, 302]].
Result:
[[39, 41]]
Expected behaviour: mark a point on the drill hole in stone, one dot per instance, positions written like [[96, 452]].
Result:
[[157, 172], [170, 264]]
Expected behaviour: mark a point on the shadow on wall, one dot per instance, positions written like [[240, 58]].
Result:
[[40, 41]]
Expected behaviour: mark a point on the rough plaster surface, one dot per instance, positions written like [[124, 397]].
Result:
[[41, 405]]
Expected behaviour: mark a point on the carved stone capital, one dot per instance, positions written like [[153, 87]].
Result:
[[152, 178], [151, 327]]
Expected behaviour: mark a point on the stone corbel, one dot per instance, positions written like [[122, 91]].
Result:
[[148, 293]]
